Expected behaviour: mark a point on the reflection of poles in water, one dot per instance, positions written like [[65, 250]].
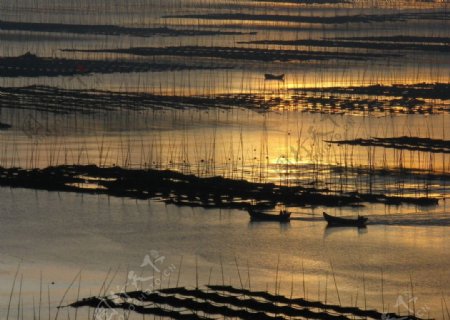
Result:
[[276, 275], [329, 230], [248, 275], [239, 273], [335, 283], [264, 152], [287, 154], [241, 148]]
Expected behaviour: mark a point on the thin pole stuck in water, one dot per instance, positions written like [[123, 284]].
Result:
[[196, 273], [40, 295], [20, 303], [248, 274], [239, 273], [210, 273], [303, 280], [335, 284], [412, 295], [364, 289], [276, 275], [179, 271], [382, 290], [12, 291], [78, 295], [221, 269], [65, 293]]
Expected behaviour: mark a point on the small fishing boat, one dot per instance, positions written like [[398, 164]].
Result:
[[4, 126], [359, 222], [278, 77], [283, 216]]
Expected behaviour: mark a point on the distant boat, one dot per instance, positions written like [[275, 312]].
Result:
[[4, 126], [359, 222], [278, 77], [28, 55], [283, 216]]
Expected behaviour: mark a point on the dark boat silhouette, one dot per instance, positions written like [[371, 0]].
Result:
[[269, 76], [283, 216], [4, 126], [333, 221]]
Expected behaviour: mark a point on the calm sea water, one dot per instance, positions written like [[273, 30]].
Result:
[[59, 234]]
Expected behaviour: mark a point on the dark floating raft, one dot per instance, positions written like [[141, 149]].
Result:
[[227, 301], [109, 30], [59, 100], [439, 91], [358, 44], [309, 2], [30, 65], [401, 143], [339, 19], [239, 53], [184, 189]]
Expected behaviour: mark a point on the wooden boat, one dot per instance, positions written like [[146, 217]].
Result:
[[359, 222], [4, 126], [283, 216], [269, 76]]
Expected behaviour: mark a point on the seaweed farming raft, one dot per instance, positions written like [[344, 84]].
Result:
[[30, 65], [224, 301], [185, 189]]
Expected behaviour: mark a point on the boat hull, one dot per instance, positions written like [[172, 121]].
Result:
[[279, 77], [261, 216], [360, 222]]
